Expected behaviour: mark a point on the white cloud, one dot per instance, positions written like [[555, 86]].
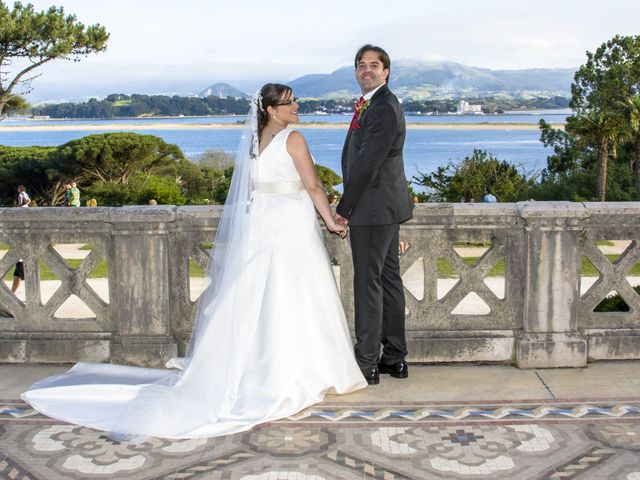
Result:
[[251, 41]]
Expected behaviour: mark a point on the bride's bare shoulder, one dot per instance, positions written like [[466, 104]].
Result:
[[296, 140], [297, 145]]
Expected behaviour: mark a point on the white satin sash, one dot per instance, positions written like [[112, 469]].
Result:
[[280, 187]]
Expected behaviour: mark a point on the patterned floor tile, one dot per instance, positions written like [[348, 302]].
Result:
[[568, 440]]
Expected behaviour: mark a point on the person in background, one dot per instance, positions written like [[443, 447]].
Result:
[[18, 275], [67, 195], [23, 200], [74, 195], [488, 196]]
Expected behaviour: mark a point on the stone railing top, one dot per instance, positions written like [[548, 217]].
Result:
[[429, 213], [531, 210], [71, 218], [612, 208]]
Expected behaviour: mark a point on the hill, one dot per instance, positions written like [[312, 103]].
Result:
[[222, 90], [440, 80]]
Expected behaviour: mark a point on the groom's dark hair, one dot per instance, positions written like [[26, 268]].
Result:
[[382, 55]]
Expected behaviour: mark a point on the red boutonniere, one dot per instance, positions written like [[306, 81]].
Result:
[[358, 109]]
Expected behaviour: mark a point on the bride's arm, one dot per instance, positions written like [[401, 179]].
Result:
[[299, 151]]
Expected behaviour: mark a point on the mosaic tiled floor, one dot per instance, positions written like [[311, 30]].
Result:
[[527, 440]]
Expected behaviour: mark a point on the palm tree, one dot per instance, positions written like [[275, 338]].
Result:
[[599, 130], [631, 110], [604, 95]]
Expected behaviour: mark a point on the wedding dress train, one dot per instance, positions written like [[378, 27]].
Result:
[[275, 340]]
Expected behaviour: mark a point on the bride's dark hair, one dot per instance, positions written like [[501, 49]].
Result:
[[272, 94]]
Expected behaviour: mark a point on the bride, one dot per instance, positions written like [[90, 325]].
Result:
[[270, 337]]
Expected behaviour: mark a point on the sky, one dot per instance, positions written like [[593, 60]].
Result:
[[170, 46]]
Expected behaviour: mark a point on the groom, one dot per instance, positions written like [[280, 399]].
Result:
[[374, 204]]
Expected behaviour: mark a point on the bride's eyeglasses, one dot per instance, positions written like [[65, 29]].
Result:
[[288, 102]]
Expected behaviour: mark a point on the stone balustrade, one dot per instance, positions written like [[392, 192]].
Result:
[[521, 302]]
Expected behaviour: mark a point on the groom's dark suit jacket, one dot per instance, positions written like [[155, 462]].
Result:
[[375, 186]]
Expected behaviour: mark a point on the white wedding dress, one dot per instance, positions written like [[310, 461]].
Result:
[[275, 340]]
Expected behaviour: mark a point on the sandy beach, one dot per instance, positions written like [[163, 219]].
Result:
[[227, 126]]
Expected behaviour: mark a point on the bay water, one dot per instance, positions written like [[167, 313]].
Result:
[[425, 148]]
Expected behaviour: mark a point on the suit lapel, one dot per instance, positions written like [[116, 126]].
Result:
[[346, 160], [376, 96], [379, 93], [345, 156]]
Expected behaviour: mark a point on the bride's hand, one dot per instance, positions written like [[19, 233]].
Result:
[[338, 229]]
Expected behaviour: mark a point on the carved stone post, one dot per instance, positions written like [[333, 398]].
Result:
[[552, 237], [142, 290]]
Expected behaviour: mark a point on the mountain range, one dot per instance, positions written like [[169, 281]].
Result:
[[430, 80]]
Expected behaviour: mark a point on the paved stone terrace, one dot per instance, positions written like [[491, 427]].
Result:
[[453, 422]]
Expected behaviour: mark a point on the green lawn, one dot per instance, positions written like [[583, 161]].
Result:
[[607, 243], [47, 274], [588, 270], [99, 272], [445, 270], [195, 270]]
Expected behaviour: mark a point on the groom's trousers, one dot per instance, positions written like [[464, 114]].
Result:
[[378, 295]]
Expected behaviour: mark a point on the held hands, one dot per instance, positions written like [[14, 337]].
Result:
[[338, 229], [340, 219], [341, 227]]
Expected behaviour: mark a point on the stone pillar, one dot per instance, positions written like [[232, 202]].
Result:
[[142, 290], [550, 337]]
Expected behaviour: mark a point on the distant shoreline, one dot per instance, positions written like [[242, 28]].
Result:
[[227, 126]]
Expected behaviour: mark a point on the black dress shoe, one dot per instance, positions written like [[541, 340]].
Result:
[[372, 376], [397, 370]]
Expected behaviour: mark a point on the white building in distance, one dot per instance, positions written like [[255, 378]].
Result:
[[466, 107]]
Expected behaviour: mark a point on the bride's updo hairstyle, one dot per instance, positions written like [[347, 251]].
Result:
[[270, 96]]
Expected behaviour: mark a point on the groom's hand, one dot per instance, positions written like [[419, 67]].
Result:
[[341, 220]]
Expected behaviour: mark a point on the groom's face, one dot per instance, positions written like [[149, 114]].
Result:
[[370, 72]]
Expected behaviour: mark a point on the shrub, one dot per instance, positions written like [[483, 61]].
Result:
[[615, 303]]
